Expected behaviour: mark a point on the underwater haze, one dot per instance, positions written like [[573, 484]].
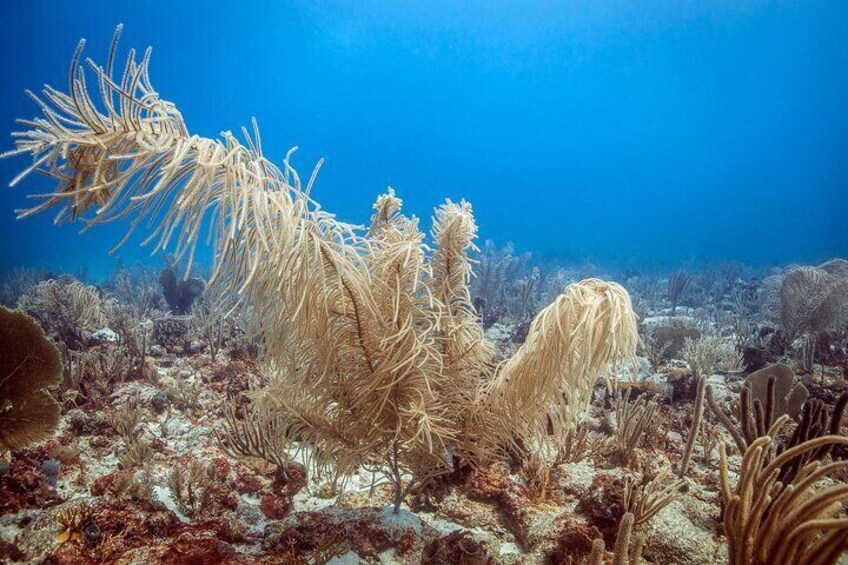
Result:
[[638, 133]]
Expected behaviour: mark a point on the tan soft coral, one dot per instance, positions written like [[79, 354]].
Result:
[[377, 354]]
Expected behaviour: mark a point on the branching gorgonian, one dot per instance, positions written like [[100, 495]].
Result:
[[379, 356]]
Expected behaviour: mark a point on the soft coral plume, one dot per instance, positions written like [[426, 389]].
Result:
[[377, 353]]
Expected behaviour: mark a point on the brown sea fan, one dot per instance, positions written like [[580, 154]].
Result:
[[29, 363]]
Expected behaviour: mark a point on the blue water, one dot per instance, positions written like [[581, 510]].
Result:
[[652, 132]]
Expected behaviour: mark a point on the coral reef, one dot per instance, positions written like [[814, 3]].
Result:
[[178, 464], [338, 394]]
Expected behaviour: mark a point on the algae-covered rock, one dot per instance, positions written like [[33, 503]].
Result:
[[368, 532], [671, 537]]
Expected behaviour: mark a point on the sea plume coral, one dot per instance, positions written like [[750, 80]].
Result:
[[29, 363], [67, 309], [813, 299], [376, 354], [589, 328]]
